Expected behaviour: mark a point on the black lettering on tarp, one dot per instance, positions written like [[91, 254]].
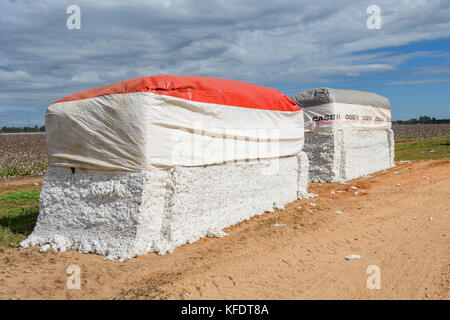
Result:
[[327, 117]]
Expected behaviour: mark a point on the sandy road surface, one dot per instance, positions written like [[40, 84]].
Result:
[[305, 259], [20, 184]]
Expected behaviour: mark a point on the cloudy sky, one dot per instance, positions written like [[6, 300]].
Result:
[[290, 45]]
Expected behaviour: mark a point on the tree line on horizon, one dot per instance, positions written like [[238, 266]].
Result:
[[420, 120], [36, 128]]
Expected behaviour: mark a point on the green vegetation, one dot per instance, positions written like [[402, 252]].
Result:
[[438, 148], [18, 171], [422, 120], [22, 129], [18, 216], [21, 198]]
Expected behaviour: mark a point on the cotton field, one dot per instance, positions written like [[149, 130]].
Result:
[[22, 154], [420, 130]]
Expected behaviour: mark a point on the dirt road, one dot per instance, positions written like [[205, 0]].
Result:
[[388, 223]]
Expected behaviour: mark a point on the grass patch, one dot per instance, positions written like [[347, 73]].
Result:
[[22, 197], [18, 216], [19, 172], [434, 149], [15, 172]]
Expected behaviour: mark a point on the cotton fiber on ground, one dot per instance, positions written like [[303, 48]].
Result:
[[148, 164], [347, 133]]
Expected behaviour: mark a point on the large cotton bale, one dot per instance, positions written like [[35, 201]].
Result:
[[148, 164], [347, 133]]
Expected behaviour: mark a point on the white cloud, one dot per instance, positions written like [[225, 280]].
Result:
[[423, 81], [86, 77], [16, 75]]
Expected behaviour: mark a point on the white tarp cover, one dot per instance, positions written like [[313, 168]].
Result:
[[163, 121], [334, 108]]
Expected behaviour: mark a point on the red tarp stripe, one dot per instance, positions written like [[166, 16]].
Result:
[[200, 89]]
